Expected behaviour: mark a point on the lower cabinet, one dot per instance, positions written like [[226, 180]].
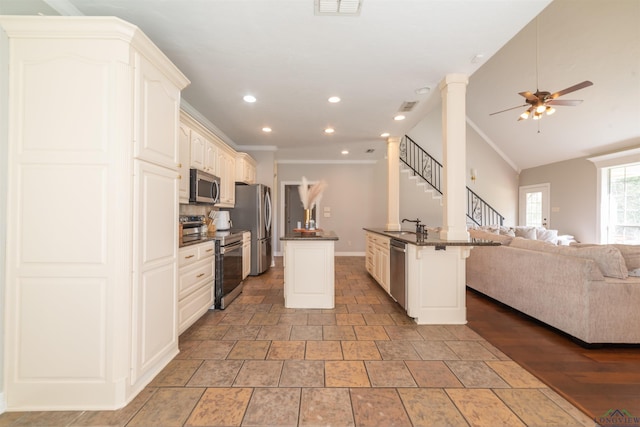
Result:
[[377, 259], [246, 254], [195, 284]]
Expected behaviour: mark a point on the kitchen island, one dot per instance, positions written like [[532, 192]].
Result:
[[435, 281], [309, 272]]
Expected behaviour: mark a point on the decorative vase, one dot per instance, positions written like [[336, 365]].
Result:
[[307, 218]]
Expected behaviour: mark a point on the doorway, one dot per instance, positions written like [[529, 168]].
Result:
[[534, 205], [293, 210]]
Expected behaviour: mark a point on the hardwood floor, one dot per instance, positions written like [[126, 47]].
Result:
[[594, 380]]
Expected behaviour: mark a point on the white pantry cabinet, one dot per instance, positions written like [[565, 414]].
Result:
[[92, 176], [184, 141]]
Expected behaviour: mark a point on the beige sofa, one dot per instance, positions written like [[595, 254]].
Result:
[[569, 288]]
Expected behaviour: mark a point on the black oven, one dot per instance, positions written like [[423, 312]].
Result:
[[228, 283]]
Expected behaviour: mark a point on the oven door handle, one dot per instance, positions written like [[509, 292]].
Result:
[[231, 247]]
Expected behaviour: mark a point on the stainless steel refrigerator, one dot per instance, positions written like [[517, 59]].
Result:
[[252, 212]]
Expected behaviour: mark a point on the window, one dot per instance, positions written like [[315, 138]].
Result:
[[622, 202], [618, 196]]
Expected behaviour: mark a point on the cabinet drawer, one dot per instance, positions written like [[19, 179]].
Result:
[[206, 250], [187, 256], [193, 277], [195, 305]]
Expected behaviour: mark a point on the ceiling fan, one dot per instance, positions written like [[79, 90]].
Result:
[[541, 102]]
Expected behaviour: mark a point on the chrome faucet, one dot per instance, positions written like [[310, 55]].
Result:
[[419, 227]]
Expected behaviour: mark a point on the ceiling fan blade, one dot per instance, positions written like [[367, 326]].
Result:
[[530, 97], [568, 102], [508, 109], [570, 89]]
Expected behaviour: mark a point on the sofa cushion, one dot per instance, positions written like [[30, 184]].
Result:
[[631, 254], [608, 258], [533, 245]]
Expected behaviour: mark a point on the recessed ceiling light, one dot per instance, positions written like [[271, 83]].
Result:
[[385, 134], [249, 98], [266, 129], [329, 130], [334, 99], [399, 117], [345, 152], [423, 90]]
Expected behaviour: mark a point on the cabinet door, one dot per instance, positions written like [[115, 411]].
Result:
[[211, 158], [184, 141], [246, 254], [198, 146], [158, 116], [226, 172], [155, 247]]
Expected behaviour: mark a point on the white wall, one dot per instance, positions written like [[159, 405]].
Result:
[[573, 196], [4, 142], [356, 194]]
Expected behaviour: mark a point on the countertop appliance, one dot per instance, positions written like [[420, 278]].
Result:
[[203, 187], [398, 271], [252, 212], [222, 221], [228, 256]]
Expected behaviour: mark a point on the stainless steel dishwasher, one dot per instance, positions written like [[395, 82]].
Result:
[[397, 273]]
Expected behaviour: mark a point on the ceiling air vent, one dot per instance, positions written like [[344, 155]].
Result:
[[337, 7], [407, 106]]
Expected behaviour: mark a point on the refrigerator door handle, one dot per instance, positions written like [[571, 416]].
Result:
[[267, 209]]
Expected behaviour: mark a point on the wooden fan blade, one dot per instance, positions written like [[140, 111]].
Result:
[[508, 109], [570, 89], [568, 102], [530, 97]]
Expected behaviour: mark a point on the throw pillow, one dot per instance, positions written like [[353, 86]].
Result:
[[634, 273], [526, 232], [545, 235]]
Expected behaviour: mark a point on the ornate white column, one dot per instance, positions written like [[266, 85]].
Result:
[[453, 90], [393, 183]]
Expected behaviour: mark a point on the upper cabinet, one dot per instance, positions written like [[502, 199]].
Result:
[[93, 175], [184, 143], [210, 154], [245, 169]]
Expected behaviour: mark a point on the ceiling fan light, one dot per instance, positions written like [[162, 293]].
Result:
[[536, 116], [550, 111], [525, 115], [541, 108]]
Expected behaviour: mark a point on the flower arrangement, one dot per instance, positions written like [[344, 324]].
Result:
[[310, 196]]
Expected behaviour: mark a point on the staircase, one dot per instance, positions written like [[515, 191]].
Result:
[[427, 172]]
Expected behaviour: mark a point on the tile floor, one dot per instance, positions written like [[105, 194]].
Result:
[[364, 363]]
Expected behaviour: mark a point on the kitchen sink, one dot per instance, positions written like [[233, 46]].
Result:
[[399, 233]]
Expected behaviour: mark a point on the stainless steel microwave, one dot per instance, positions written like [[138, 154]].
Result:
[[203, 187]]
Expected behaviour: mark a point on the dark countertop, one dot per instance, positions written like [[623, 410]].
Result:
[[431, 240], [206, 238], [317, 235]]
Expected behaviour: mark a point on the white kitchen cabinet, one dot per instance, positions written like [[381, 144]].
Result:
[[184, 142], [211, 158], [198, 150], [195, 284], [227, 174], [92, 210], [245, 169], [246, 254], [377, 258]]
